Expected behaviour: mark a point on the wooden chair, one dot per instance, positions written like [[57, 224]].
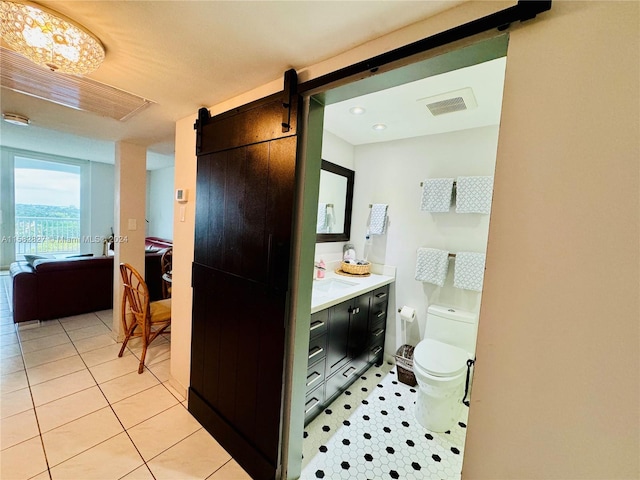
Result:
[[138, 312], [166, 264]]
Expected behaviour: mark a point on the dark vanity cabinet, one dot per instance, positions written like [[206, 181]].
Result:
[[343, 341]]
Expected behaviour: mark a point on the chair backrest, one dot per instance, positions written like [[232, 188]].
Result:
[[166, 262], [136, 294]]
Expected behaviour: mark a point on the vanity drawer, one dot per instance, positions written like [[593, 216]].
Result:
[[380, 296], [313, 403], [317, 349], [319, 322], [376, 351], [378, 316], [341, 379], [315, 375], [377, 333]]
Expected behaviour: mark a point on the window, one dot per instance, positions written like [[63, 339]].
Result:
[[47, 207]]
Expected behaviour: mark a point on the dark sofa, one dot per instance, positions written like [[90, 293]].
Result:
[[61, 288]]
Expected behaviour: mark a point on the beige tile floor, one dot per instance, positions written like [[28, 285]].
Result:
[[71, 409]]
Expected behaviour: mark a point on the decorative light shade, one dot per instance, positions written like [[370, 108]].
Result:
[[49, 39]]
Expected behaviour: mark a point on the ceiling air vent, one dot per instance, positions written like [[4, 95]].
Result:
[[449, 102]]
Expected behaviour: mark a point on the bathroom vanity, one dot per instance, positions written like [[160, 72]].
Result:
[[346, 335]]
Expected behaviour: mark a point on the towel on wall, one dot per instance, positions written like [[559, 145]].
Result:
[[436, 194], [321, 224], [473, 194], [468, 272], [432, 266], [378, 223]]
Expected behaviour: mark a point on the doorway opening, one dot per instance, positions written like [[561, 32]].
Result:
[[389, 131]]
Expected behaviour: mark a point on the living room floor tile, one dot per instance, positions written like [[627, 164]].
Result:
[[75, 437], [128, 385], [106, 316], [93, 343], [45, 342], [197, 456], [87, 332], [98, 462], [61, 387], [115, 368], [23, 460], [7, 328], [230, 471], [15, 402], [13, 381], [152, 436], [80, 321], [11, 364], [8, 339], [155, 353], [67, 409], [44, 329], [140, 473], [50, 354], [12, 350], [51, 370], [140, 407], [18, 428], [104, 354], [161, 370]]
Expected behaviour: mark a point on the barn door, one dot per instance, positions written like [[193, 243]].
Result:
[[244, 206]]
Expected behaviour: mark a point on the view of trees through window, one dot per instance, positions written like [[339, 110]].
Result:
[[47, 207]]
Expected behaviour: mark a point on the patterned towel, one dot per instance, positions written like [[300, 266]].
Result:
[[378, 222], [469, 271], [474, 194], [432, 266], [321, 224], [436, 194]]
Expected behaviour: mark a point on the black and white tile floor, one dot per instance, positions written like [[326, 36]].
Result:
[[370, 432]]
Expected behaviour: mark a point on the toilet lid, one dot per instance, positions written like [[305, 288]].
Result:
[[440, 359]]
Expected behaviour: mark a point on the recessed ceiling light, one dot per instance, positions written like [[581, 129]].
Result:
[[356, 110], [379, 126], [16, 119]]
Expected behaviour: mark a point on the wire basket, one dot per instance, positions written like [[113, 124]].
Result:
[[404, 362], [356, 269]]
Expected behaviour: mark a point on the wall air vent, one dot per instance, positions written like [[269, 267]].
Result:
[[449, 102], [80, 93]]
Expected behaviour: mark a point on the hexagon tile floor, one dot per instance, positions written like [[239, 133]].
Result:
[[370, 432]]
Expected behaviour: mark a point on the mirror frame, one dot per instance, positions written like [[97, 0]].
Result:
[[346, 231]]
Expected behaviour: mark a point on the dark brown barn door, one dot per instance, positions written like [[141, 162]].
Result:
[[244, 206]]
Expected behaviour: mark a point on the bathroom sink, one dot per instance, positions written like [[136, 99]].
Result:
[[330, 286]]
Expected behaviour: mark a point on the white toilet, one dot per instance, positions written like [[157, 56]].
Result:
[[440, 366]]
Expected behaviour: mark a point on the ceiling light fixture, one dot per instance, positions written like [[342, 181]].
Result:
[[16, 119], [49, 39], [356, 110], [379, 126]]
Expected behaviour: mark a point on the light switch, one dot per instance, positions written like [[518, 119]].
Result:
[[133, 225]]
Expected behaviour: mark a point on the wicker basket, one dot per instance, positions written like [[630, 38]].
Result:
[[356, 269], [404, 362]]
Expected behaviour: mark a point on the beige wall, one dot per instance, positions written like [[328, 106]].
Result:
[[557, 380], [556, 388]]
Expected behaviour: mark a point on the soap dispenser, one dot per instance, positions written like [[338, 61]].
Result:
[[321, 269]]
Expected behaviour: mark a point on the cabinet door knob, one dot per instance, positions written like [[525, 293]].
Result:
[[316, 351], [317, 324], [381, 295], [378, 332], [349, 372], [311, 404]]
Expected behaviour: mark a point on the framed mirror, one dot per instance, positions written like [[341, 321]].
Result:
[[335, 200]]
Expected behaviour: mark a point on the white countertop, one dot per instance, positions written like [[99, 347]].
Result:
[[360, 285]]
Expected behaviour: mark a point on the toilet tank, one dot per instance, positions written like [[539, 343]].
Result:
[[453, 326]]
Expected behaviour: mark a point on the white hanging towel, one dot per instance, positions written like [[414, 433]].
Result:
[[432, 266], [436, 194], [378, 223], [469, 271], [321, 224], [473, 194]]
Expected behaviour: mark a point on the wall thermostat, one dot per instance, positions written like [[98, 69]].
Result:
[[181, 195]]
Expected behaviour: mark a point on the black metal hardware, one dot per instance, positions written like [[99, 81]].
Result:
[[290, 89]]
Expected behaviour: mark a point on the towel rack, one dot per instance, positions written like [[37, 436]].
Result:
[[454, 184]]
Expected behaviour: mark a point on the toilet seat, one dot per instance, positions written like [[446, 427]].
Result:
[[440, 359]]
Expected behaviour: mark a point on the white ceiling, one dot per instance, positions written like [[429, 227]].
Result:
[[402, 109], [187, 54]]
